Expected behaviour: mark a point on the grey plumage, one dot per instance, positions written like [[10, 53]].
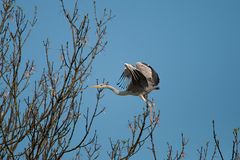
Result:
[[139, 79]]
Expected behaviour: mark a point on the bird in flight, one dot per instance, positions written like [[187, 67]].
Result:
[[137, 80]]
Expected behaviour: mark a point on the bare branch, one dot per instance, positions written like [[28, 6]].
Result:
[[46, 120], [216, 141]]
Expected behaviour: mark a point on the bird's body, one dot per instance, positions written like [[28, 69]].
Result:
[[137, 80]]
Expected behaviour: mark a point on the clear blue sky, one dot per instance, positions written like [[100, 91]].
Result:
[[193, 45]]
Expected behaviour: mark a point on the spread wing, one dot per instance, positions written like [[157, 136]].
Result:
[[148, 72], [124, 79], [132, 77]]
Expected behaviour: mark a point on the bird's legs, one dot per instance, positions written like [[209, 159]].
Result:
[[148, 103]]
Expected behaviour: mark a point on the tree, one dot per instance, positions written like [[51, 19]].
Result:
[[45, 121]]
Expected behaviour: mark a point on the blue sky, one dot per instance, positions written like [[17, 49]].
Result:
[[193, 45]]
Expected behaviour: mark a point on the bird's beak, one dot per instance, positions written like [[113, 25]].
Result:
[[95, 86]]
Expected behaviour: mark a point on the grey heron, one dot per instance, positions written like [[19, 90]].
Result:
[[139, 80]]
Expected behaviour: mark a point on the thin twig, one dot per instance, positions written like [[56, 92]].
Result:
[[216, 141]]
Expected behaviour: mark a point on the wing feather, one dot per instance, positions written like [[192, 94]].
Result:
[[124, 79], [148, 72], [132, 77]]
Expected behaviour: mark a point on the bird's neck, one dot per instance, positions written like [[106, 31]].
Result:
[[118, 92]]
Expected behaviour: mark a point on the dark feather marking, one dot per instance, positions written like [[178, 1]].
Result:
[[135, 78], [154, 74]]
